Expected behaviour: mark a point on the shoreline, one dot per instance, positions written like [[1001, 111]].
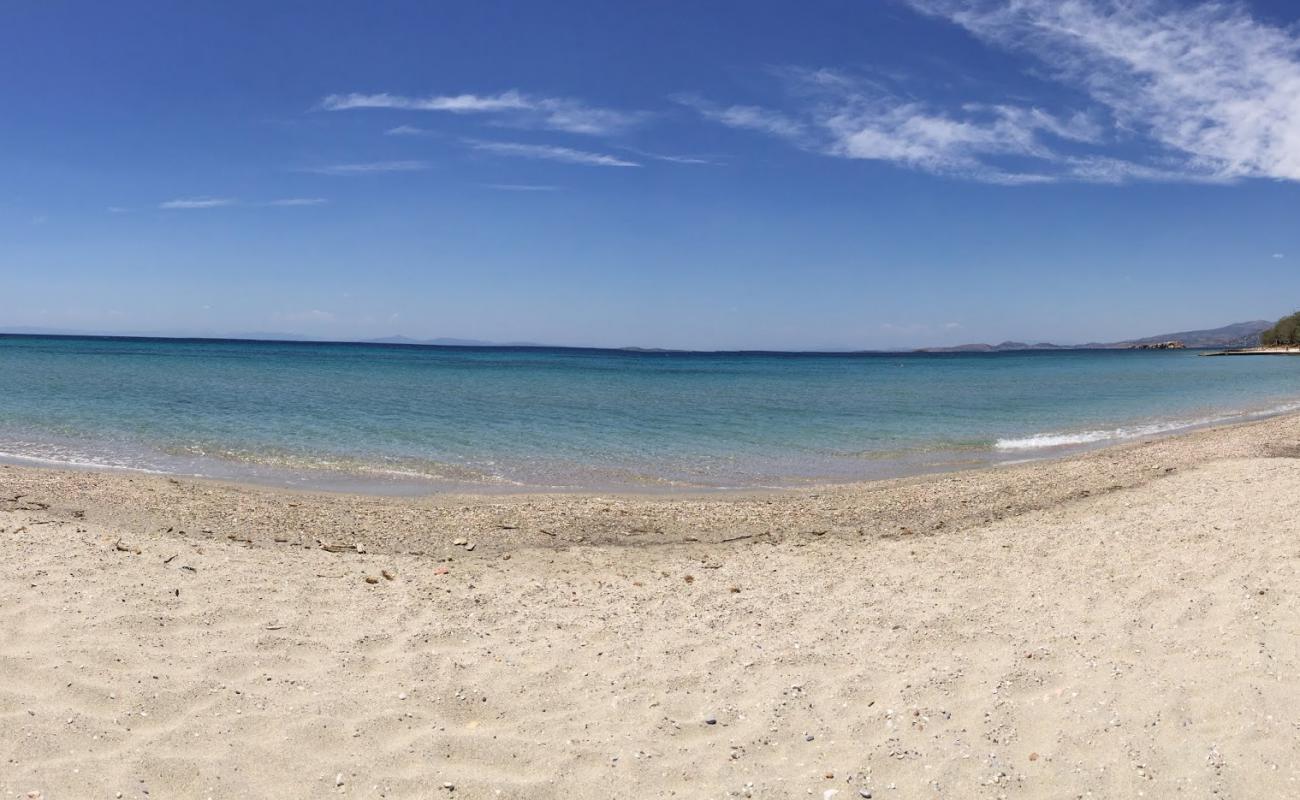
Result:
[[1256, 351], [896, 466], [1114, 622], [983, 493]]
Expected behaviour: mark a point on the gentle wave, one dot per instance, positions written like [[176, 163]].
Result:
[[1041, 441], [78, 462]]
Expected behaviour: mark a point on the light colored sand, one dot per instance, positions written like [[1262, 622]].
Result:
[[1119, 625]]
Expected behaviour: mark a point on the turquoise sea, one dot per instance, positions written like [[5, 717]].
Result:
[[398, 418]]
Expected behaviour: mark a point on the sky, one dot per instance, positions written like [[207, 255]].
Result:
[[713, 175]]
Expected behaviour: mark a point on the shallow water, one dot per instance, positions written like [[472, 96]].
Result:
[[403, 418]]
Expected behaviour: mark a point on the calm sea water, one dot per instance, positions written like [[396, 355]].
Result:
[[399, 418]]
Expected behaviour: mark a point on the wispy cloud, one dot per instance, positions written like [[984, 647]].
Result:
[[514, 107], [848, 118], [117, 210], [409, 130], [754, 118], [456, 104], [299, 201], [1173, 92], [566, 155], [196, 202], [369, 168], [1217, 89], [670, 158], [521, 187], [1279, 255]]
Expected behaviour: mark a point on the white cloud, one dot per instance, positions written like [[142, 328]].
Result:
[[196, 202], [551, 153], [751, 118], [1214, 88], [848, 118], [299, 201], [408, 130], [1278, 255], [457, 104], [673, 159], [524, 110], [968, 142], [371, 168], [1169, 92], [117, 210], [679, 159]]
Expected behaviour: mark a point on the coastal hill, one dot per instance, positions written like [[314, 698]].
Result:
[[1238, 334]]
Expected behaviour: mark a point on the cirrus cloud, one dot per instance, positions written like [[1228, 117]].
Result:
[[1216, 88], [547, 152], [1171, 92], [196, 202], [512, 107], [368, 168]]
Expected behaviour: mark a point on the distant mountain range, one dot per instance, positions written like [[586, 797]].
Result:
[[1238, 334]]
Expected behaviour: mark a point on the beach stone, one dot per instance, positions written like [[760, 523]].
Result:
[[710, 720], [459, 542]]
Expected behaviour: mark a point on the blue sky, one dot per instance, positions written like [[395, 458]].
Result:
[[701, 175]]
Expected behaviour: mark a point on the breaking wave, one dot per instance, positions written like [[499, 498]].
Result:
[[1042, 441]]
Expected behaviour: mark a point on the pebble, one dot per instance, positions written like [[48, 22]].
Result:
[[808, 737], [402, 696], [710, 720], [459, 542], [864, 793], [470, 546], [338, 779]]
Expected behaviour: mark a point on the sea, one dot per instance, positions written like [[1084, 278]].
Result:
[[409, 419]]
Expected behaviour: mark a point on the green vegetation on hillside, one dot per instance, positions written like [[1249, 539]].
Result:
[[1284, 331]]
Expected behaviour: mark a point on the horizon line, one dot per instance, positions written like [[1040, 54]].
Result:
[[471, 344]]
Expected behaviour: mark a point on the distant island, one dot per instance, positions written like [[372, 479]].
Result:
[[1238, 334]]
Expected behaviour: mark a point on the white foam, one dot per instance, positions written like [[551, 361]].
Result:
[[1042, 441], [76, 462]]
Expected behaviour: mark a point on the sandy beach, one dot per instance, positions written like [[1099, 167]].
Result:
[[1117, 624]]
